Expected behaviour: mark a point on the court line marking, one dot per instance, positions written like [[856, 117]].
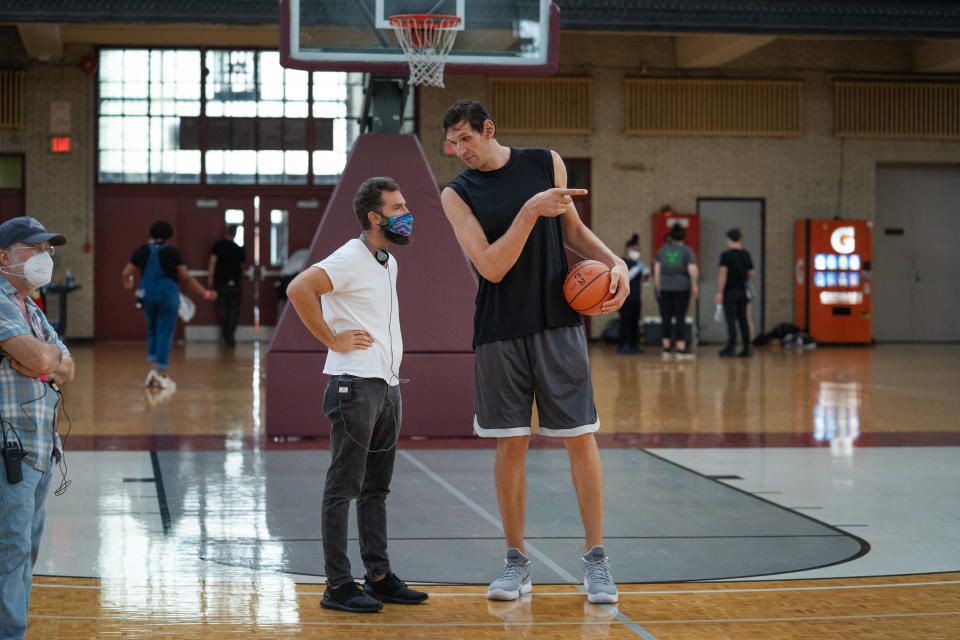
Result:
[[207, 620], [568, 593], [483, 513]]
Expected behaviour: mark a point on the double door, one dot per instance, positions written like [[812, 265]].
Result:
[[271, 228]]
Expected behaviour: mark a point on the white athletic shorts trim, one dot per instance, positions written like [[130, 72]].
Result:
[[526, 431]]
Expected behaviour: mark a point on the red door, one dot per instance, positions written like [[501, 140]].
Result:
[[287, 225], [203, 221]]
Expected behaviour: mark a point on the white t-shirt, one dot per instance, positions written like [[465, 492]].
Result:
[[364, 297]]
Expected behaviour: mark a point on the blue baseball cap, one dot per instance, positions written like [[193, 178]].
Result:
[[29, 231]]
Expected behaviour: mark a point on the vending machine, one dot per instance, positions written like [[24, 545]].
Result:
[[665, 219], [832, 282]]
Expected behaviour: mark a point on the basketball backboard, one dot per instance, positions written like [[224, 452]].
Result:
[[495, 37]]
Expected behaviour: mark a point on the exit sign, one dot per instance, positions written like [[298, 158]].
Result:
[[60, 144]]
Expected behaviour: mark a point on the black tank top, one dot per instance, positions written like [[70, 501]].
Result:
[[529, 298]]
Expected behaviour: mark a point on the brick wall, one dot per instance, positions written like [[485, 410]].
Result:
[[814, 176], [59, 187]]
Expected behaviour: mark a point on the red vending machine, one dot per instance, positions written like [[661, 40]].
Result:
[[832, 287], [665, 219]]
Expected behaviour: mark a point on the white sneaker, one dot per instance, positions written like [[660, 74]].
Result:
[[151, 380], [515, 579], [601, 589], [165, 382]]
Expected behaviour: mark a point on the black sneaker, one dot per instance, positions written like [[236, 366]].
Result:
[[746, 353], [728, 352], [348, 597], [393, 589]]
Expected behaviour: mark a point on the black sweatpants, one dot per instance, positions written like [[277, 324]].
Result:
[[673, 312], [629, 322], [735, 310]]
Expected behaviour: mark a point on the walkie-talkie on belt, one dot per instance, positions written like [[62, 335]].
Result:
[[12, 456]]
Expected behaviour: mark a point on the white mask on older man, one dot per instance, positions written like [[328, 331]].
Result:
[[37, 269]]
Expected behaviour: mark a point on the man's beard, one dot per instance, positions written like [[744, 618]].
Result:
[[395, 238]]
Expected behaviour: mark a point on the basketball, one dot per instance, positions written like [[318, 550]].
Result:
[[587, 287]]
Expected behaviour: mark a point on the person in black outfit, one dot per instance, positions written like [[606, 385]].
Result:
[[223, 275], [513, 215], [630, 311], [736, 267]]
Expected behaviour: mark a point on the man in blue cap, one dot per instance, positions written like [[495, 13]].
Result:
[[34, 363]]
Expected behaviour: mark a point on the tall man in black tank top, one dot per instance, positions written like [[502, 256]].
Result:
[[512, 214]]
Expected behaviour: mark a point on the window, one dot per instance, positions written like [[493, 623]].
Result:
[[224, 117], [279, 236], [144, 97]]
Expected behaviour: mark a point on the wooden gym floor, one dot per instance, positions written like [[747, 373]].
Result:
[[863, 440]]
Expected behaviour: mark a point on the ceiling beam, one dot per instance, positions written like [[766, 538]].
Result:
[[140, 35], [715, 50], [42, 40], [937, 56]]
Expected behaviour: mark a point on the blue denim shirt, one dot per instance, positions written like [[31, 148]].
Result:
[[27, 405]]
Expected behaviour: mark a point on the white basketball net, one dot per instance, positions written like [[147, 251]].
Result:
[[426, 41]]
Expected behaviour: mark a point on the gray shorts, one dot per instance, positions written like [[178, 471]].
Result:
[[550, 366]]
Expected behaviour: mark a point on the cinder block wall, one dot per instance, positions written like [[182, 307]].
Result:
[[814, 176], [59, 187]]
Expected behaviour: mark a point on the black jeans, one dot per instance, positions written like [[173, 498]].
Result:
[[228, 309], [629, 320], [362, 450], [735, 310], [673, 312]]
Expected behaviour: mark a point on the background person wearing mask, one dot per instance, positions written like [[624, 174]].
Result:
[[736, 268], [630, 311], [675, 276], [161, 270], [33, 365]]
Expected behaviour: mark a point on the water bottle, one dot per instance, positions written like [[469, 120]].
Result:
[[138, 296], [69, 281], [718, 314]]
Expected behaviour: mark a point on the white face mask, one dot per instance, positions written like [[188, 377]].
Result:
[[37, 269], [634, 255]]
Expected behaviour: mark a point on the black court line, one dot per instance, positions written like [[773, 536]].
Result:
[[206, 539], [161, 493], [864, 545]]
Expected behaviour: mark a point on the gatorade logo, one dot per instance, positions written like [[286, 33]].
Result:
[[842, 240]]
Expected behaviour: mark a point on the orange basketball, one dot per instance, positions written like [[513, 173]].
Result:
[[587, 287]]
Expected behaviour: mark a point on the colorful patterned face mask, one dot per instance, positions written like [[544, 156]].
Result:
[[402, 224]]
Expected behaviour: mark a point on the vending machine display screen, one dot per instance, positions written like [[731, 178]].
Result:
[[836, 270]]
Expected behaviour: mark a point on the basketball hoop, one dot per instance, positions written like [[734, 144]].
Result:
[[426, 40]]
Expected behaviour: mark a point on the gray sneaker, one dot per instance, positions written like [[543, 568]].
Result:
[[601, 589], [515, 578]]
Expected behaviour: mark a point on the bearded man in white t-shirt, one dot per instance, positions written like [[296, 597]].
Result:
[[349, 302]]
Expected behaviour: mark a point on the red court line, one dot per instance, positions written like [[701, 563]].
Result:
[[80, 442]]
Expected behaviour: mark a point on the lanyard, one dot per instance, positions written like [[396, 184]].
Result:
[[37, 331]]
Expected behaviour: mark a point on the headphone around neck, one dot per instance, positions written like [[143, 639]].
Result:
[[381, 255]]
